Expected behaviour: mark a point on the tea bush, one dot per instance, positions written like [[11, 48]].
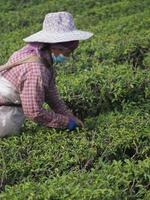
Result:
[[96, 90], [116, 181], [37, 154], [107, 86]]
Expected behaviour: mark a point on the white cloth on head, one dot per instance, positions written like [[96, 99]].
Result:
[[11, 117]]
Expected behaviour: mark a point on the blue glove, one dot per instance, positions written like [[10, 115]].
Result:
[[71, 125]]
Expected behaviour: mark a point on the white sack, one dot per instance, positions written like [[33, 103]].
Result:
[[11, 118]]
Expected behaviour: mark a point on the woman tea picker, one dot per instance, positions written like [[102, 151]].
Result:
[[27, 80]]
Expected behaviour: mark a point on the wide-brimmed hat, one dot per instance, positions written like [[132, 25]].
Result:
[[58, 27]]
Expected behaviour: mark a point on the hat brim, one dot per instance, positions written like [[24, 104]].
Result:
[[48, 37]]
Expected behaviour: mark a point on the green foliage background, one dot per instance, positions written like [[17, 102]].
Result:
[[108, 87]]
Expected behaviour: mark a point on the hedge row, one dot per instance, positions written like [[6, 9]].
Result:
[[90, 11], [119, 40], [103, 88], [41, 153], [121, 180]]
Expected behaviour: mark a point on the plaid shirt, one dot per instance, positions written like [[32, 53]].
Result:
[[35, 84]]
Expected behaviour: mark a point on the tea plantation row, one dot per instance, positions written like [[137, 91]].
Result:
[[116, 181], [39, 153], [96, 90]]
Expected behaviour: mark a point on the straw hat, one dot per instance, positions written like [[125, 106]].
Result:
[[58, 27]]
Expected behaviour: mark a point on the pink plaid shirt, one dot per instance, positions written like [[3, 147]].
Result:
[[36, 85]]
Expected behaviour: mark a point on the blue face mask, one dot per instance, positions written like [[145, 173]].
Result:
[[58, 59]]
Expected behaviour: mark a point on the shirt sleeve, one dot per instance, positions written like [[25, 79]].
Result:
[[55, 102], [32, 96]]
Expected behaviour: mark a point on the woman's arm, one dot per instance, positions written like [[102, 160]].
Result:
[[55, 102], [32, 96], [58, 105]]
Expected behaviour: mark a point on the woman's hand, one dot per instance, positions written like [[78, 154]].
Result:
[[73, 123], [77, 120]]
